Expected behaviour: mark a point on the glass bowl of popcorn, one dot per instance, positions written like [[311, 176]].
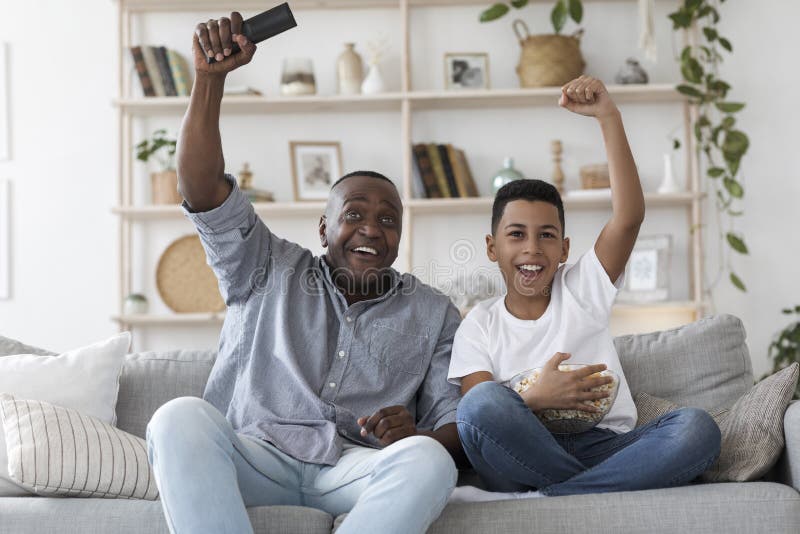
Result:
[[570, 421]]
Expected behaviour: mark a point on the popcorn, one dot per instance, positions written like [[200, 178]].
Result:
[[568, 421]]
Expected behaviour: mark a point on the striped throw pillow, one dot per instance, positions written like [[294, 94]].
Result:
[[752, 429], [59, 451]]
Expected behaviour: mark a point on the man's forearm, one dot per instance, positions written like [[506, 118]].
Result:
[[447, 435], [627, 198], [201, 166]]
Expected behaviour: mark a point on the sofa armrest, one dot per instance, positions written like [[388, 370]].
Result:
[[787, 471]]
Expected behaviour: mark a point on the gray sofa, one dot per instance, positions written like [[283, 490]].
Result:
[[705, 364]]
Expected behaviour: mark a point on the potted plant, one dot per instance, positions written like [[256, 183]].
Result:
[[164, 183], [549, 59], [785, 347]]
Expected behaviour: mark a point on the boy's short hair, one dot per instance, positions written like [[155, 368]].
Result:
[[526, 189], [369, 174]]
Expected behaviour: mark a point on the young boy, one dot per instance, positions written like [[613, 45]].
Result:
[[552, 313]]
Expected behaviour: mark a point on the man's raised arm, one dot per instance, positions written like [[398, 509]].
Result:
[[201, 166]]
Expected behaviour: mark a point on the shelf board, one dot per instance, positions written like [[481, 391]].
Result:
[[170, 319], [262, 208], [419, 100], [470, 205], [258, 5]]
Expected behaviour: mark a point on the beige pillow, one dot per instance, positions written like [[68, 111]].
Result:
[[752, 429], [59, 451]]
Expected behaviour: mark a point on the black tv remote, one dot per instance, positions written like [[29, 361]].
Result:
[[265, 25]]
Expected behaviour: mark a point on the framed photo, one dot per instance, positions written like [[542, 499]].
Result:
[[466, 70], [5, 239], [648, 269], [315, 167]]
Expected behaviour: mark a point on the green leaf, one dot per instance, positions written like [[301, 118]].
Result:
[[692, 70], [733, 164], [715, 172], [559, 15], [797, 309], [736, 143], [736, 243], [576, 10], [736, 281], [710, 33], [703, 121], [726, 44], [676, 144], [693, 4], [728, 122], [686, 53], [733, 187], [519, 4], [494, 12], [680, 19], [787, 311], [689, 90], [729, 107]]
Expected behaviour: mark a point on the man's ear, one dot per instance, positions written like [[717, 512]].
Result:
[[564, 250], [323, 227], [490, 248]]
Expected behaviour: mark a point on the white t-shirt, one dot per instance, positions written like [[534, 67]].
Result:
[[575, 321]]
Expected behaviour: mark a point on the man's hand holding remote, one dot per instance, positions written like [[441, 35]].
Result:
[[215, 39]]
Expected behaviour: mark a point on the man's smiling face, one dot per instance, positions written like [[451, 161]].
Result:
[[361, 229]]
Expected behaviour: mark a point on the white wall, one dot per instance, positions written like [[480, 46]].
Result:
[[65, 147]]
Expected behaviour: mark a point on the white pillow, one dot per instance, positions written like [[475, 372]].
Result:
[[84, 379]]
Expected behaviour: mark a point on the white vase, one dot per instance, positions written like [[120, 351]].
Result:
[[668, 183], [373, 83]]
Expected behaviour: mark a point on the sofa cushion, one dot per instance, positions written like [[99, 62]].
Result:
[[732, 507], [150, 379], [704, 364], [12, 346], [34, 515], [57, 451], [752, 429]]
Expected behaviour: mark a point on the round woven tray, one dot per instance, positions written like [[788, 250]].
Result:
[[184, 280]]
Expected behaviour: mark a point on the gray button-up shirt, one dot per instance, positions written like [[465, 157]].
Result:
[[296, 365]]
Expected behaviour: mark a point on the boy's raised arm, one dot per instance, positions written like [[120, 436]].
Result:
[[588, 96], [201, 166]]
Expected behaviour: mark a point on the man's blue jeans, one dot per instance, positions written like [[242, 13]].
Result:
[[207, 475], [511, 449]]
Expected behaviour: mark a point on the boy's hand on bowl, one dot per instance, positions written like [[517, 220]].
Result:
[[587, 96], [566, 390]]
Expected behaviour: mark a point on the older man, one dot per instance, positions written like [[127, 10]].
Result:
[[330, 387]]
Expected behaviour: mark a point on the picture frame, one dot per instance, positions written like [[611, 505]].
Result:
[[5, 239], [466, 70], [647, 271], [316, 165]]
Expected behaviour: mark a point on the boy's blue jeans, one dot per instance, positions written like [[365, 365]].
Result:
[[207, 475], [511, 449]]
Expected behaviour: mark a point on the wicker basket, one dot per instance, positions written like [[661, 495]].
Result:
[[185, 281], [548, 60], [595, 176], [165, 188]]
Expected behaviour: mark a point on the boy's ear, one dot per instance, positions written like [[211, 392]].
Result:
[[323, 226], [490, 248], [564, 250]]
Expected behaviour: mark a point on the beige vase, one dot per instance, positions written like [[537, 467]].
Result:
[[350, 70], [548, 60], [164, 188]]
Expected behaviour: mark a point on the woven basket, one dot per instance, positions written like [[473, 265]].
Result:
[[184, 280], [548, 60], [165, 188], [595, 176]]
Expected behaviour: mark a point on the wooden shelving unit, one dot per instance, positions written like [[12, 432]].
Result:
[[405, 102]]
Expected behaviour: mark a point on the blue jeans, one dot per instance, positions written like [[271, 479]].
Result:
[[512, 450], [207, 475]]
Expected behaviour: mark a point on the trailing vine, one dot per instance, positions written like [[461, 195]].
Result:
[[562, 10], [718, 138]]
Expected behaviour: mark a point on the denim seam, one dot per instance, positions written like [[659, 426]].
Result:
[[704, 463], [628, 438], [506, 451]]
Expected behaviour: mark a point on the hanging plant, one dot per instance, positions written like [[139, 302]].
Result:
[[720, 144], [562, 10], [785, 347]]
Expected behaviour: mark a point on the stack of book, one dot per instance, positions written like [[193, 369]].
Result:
[[442, 171], [163, 72]]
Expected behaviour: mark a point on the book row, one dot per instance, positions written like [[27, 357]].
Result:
[[162, 72]]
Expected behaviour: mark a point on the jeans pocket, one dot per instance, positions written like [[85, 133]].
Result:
[[399, 350]]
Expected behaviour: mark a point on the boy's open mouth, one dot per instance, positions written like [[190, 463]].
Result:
[[530, 272]]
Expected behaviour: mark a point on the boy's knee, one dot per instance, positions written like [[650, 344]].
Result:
[[701, 426], [487, 399]]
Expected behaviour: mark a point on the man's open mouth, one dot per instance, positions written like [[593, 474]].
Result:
[[365, 252]]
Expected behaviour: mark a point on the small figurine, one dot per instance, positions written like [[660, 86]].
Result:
[[631, 72]]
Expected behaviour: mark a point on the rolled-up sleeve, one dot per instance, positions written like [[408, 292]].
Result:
[[437, 399], [236, 241]]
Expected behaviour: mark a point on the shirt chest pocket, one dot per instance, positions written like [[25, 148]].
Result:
[[397, 349]]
